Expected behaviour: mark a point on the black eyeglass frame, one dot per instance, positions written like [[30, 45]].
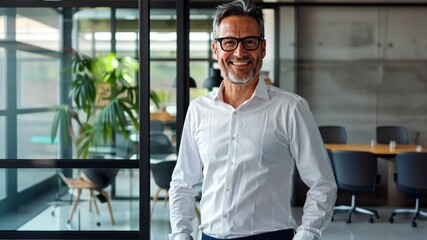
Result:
[[259, 38]]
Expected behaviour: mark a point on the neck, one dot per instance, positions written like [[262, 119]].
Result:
[[237, 94]]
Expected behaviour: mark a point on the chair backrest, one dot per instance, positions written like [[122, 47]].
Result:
[[156, 125], [385, 134], [411, 173], [355, 171], [102, 177], [162, 173], [333, 134], [331, 159], [160, 143]]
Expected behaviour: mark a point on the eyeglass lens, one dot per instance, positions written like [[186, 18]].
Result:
[[230, 44]]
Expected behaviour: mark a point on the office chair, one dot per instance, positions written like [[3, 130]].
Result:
[[162, 174], [399, 134], [156, 125], [93, 179], [355, 172], [411, 178], [333, 134], [160, 144]]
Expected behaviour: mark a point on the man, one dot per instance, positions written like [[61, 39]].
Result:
[[244, 141]]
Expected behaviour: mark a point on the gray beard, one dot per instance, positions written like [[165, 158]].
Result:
[[244, 80]]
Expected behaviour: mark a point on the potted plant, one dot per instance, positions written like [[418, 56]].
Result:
[[104, 101]]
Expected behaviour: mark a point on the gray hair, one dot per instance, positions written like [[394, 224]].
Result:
[[239, 8]]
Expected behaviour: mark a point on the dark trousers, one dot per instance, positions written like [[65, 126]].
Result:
[[286, 234]]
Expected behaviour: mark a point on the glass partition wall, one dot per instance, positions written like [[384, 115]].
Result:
[[40, 174], [42, 71]]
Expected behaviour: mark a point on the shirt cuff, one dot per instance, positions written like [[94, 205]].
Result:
[[182, 236], [305, 235]]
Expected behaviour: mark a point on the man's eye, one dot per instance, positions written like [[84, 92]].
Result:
[[228, 42], [250, 41]]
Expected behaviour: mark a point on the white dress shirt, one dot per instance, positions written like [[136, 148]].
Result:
[[246, 158]]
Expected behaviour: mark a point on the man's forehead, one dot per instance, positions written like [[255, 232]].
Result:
[[238, 24]]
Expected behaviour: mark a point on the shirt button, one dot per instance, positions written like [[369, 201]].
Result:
[[227, 189], [233, 138], [234, 113], [225, 215]]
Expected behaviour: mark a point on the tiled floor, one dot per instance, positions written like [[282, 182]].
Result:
[[126, 215]]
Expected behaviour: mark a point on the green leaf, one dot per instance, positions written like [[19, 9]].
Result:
[[62, 118]]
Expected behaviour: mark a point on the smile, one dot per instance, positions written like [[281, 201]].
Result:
[[240, 63]]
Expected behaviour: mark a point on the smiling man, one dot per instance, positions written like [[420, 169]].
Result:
[[243, 143]]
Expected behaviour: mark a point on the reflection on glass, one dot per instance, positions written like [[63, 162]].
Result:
[[34, 136], [30, 177], [39, 27], [2, 77], [2, 138], [92, 31], [2, 184], [38, 78], [2, 27], [46, 205]]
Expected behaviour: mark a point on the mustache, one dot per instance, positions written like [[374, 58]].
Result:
[[243, 59]]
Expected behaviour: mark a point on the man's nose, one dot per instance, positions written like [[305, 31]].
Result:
[[240, 50]]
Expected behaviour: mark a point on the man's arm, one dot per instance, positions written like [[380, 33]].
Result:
[[315, 169], [187, 173]]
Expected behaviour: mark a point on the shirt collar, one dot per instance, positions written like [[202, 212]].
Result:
[[261, 91]]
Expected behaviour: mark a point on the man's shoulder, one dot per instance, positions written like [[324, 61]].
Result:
[[204, 99], [278, 93]]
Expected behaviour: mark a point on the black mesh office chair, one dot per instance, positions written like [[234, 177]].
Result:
[[93, 179], [399, 134], [333, 134], [411, 178], [355, 172]]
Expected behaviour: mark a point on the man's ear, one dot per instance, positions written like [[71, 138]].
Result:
[[264, 51], [215, 50]]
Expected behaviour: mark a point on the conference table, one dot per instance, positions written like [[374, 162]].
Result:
[[383, 151], [380, 150]]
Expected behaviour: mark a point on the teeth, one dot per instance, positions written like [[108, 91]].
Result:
[[240, 63]]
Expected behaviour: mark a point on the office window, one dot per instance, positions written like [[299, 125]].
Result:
[[163, 74], [127, 32], [199, 70], [2, 184], [199, 44], [2, 26], [127, 44], [2, 78], [39, 27], [53, 204], [92, 30], [28, 177], [34, 136], [38, 80], [2, 138]]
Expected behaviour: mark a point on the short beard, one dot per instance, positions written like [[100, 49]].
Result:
[[235, 80]]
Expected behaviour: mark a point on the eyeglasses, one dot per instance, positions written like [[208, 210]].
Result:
[[230, 44]]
